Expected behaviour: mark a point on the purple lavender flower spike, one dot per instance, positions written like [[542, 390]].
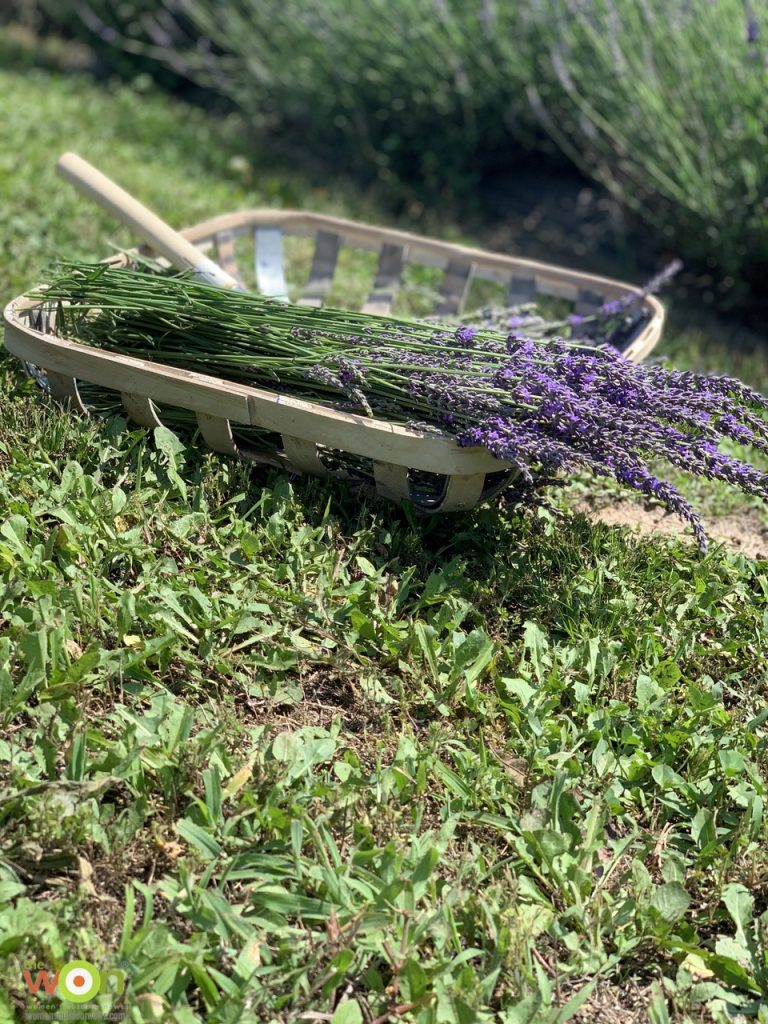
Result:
[[640, 479], [618, 306], [464, 336], [663, 278]]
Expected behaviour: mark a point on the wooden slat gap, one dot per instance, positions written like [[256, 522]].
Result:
[[268, 263], [387, 280]]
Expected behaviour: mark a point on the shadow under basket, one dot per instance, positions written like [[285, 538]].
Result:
[[427, 468]]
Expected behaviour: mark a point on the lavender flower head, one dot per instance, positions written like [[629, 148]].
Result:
[[618, 306], [464, 336]]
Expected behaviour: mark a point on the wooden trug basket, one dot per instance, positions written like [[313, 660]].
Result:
[[399, 456]]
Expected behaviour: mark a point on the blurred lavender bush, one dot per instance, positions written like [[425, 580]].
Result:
[[410, 93], [661, 101]]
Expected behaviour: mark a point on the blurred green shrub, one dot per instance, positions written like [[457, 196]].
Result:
[[138, 41], [661, 101], [410, 90], [22, 12], [410, 93]]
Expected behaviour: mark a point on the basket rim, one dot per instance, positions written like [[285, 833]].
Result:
[[310, 222], [204, 393], [227, 400], [363, 231], [357, 230]]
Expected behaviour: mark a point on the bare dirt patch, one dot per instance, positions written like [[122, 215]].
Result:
[[742, 532], [613, 1004]]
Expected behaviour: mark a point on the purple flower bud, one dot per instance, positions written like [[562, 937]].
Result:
[[616, 306], [465, 336]]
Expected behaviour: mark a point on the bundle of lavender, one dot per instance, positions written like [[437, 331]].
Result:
[[543, 404]]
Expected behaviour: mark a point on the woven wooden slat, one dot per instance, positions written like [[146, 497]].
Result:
[[521, 291], [462, 492], [42, 319], [387, 280], [270, 276], [140, 409], [454, 288], [225, 255], [557, 287], [391, 480], [323, 267], [302, 455], [587, 302], [217, 433], [64, 388]]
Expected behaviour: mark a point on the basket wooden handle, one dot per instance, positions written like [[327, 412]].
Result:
[[161, 236]]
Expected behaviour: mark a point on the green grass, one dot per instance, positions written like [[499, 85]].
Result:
[[274, 747]]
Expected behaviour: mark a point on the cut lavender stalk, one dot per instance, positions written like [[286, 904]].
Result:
[[545, 405], [613, 323]]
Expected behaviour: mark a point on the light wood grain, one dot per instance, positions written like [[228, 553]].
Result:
[[462, 492], [387, 280], [217, 433], [175, 247], [302, 455], [327, 244], [141, 410], [391, 480]]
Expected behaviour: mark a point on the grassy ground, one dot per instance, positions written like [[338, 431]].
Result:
[[280, 752]]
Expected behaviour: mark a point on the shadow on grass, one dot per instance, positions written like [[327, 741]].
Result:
[[556, 566]]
